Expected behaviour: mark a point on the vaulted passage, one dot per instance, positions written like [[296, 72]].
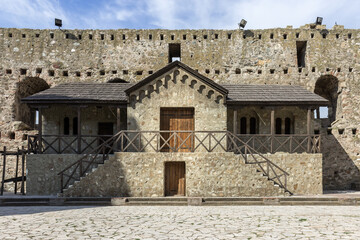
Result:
[[327, 87], [25, 88]]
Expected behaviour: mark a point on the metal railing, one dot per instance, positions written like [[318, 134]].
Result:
[[173, 141]]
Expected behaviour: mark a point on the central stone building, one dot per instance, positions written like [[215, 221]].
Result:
[[176, 132]]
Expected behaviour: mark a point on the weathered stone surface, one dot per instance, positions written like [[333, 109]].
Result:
[[234, 59], [207, 175]]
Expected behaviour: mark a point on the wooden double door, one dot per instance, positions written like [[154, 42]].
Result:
[[177, 119]]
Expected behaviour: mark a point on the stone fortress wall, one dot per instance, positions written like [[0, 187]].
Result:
[[270, 56]]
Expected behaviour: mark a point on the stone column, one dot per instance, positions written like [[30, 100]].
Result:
[[272, 128], [235, 122], [79, 129]]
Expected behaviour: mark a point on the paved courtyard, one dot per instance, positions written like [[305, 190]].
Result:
[[174, 222]]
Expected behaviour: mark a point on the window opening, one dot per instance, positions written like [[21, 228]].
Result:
[[174, 52], [278, 126], [287, 125], [66, 126], [301, 52], [243, 125], [252, 125]]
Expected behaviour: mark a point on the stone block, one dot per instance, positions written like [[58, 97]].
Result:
[[194, 201], [271, 201], [56, 201], [119, 201]]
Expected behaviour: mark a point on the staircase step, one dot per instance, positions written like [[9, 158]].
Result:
[[157, 203], [22, 203], [157, 199]]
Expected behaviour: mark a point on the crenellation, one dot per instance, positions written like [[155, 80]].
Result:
[[268, 56]]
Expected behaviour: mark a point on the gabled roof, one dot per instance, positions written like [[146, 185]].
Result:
[[238, 94], [178, 64], [272, 95], [82, 93]]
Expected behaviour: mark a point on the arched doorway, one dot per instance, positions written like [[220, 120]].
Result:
[[25, 88], [327, 87]]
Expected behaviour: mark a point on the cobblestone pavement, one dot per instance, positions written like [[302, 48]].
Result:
[[174, 222]]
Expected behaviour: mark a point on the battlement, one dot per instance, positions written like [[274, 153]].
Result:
[[102, 55]]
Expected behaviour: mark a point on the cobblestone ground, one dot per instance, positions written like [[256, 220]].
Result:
[[171, 222]]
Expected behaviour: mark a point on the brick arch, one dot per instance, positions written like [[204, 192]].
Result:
[[27, 87]]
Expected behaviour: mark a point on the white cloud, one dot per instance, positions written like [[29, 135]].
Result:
[[259, 13], [175, 14], [32, 14]]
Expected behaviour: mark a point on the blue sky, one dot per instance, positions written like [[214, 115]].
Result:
[[176, 14]]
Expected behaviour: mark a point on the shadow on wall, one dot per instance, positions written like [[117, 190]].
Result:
[[25, 88], [339, 170]]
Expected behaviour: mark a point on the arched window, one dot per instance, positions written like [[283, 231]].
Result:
[[252, 125], [287, 125], [278, 126], [75, 126], [243, 125], [66, 126]]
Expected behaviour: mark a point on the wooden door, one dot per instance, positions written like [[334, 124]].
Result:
[[175, 179], [177, 119]]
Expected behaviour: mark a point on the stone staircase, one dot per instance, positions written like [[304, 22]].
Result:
[[266, 178], [93, 184]]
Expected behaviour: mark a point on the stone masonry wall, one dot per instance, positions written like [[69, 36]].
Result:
[[144, 112], [207, 175], [227, 56]]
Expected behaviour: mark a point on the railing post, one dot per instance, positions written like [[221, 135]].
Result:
[[61, 182], [210, 135], [16, 170], [246, 153], [22, 170], [272, 129], [122, 142], [28, 143], [308, 130], [80, 167], [291, 140], [79, 129], [103, 153], [3, 173], [40, 130]]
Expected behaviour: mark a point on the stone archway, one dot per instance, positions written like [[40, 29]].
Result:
[[117, 80], [25, 88], [327, 87]]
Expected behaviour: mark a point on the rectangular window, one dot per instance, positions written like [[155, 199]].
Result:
[[174, 52], [301, 52]]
